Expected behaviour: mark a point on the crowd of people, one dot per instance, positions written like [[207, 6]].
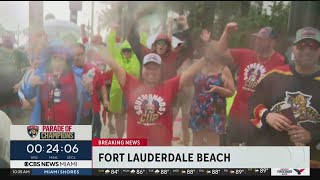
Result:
[[87, 82]]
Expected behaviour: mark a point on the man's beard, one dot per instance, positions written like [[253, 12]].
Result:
[[306, 63]]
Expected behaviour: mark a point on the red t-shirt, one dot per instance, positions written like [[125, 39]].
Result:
[[149, 110], [98, 82], [107, 77], [249, 75], [63, 112], [85, 39]]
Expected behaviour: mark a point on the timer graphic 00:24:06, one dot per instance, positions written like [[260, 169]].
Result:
[[49, 148], [45, 150]]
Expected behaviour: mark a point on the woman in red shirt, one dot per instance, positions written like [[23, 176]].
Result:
[[57, 89], [150, 99]]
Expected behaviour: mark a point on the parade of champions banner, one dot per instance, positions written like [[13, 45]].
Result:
[[70, 150]]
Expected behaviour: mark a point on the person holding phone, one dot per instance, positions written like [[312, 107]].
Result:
[[295, 86], [253, 65]]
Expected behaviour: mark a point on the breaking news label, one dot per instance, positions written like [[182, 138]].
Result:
[[51, 149]]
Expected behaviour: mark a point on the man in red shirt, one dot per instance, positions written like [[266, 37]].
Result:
[[253, 65], [151, 98]]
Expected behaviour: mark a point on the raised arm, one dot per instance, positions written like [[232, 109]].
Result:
[[184, 34], [84, 36], [134, 39], [111, 41], [224, 39], [116, 68], [169, 27]]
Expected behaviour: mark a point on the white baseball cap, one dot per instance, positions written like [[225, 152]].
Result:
[[152, 57]]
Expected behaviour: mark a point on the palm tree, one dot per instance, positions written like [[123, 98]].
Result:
[[109, 14]]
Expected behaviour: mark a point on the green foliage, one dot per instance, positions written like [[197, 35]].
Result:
[[214, 15], [255, 20]]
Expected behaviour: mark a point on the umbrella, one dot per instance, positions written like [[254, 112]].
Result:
[[60, 29]]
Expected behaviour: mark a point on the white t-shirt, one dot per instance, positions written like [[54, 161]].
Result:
[[292, 56]]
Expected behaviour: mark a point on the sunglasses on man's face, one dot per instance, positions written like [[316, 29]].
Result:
[[162, 41], [311, 45], [126, 50]]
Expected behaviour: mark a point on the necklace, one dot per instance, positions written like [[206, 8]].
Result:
[[264, 60]]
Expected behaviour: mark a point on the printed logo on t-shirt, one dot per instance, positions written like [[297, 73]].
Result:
[[149, 107], [301, 107], [253, 73]]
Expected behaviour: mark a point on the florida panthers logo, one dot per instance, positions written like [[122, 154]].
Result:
[[301, 106], [32, 131]]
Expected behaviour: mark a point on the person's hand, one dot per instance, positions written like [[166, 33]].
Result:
[[105, 103], [278, 121], [231, 27], [170, 22], [182, 20], [87, 83], [16, 87], [213, 89], [36, 80], [205, 35], [299, 135], [26, 105]]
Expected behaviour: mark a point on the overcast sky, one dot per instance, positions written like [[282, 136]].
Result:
[[14, 13]]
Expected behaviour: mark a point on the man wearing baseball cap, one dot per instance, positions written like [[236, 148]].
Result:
[[307, 36], [150, 98], [266, 32], [152, 57], [253, 65], [297, 86]]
